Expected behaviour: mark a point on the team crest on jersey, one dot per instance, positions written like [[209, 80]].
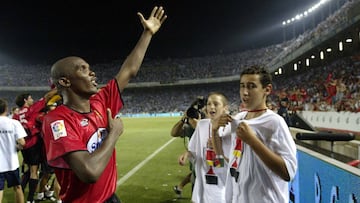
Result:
[[84, 122], [58, 129]]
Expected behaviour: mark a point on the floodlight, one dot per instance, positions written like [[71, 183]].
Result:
[[295, 66], [341, 46], [305, 13]]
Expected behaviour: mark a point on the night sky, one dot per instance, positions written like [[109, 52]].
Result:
[[44, 31]]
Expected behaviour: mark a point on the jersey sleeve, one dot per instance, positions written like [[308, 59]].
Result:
[[36, 107], [109, 97], [61, 136]]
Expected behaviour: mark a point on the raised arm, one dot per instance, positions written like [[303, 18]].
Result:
[[132, 63]]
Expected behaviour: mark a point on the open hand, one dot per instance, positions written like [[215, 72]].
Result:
[[156, 19]]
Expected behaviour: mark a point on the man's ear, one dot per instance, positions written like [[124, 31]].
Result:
[[64, 82], [268, 89]]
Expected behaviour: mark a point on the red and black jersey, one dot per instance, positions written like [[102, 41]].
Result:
[[27, 117], [66, 130]]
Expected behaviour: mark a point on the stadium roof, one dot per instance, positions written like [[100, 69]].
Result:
[[43, 31]]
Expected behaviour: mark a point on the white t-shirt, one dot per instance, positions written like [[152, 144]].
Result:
[[204, 192], [256, 182], [10, 131]]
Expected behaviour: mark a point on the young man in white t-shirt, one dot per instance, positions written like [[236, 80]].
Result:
[[11, 139], [262, 159]]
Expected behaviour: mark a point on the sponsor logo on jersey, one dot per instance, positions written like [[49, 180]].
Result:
[[96, 139], [84, 122], [58, 129]]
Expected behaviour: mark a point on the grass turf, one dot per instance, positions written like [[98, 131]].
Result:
[[153, 182]]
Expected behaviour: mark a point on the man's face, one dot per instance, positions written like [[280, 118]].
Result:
[[252, 93], [83, 80], [29, 101]]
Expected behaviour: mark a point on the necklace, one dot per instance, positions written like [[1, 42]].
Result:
[[255, 113], [256, 110]]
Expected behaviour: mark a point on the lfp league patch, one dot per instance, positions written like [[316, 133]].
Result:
[[58, 129]]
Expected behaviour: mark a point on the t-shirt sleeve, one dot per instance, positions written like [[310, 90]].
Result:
[[194, 141], [19, 130], [286, 147]]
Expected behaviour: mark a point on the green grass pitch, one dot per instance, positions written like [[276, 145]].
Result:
[[153, 182]]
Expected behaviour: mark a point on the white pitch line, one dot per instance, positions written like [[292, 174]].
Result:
[[141, 164]]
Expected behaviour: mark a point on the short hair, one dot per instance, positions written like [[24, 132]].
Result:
[[265, 76], [3, 106], [223, 97], [20, 99]]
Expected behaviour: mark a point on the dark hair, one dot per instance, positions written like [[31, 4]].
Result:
[[3, 106], [19, 101], [265, 76]]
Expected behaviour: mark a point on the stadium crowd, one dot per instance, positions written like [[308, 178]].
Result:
[[332, 87], [316, 85]]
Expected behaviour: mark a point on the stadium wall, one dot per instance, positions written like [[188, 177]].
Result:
[[323, 179]]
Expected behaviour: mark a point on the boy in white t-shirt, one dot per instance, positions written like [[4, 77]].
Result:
[[207, 152], [263, 153]]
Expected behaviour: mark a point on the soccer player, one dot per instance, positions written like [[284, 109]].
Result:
[[81, 134], [31, 152]]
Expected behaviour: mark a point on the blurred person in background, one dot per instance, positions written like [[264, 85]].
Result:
[[185, 128], [11, 140], [14, 111], [31, 152], [48, 187]]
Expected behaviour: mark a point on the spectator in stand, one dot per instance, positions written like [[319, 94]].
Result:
[[283, 110]]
